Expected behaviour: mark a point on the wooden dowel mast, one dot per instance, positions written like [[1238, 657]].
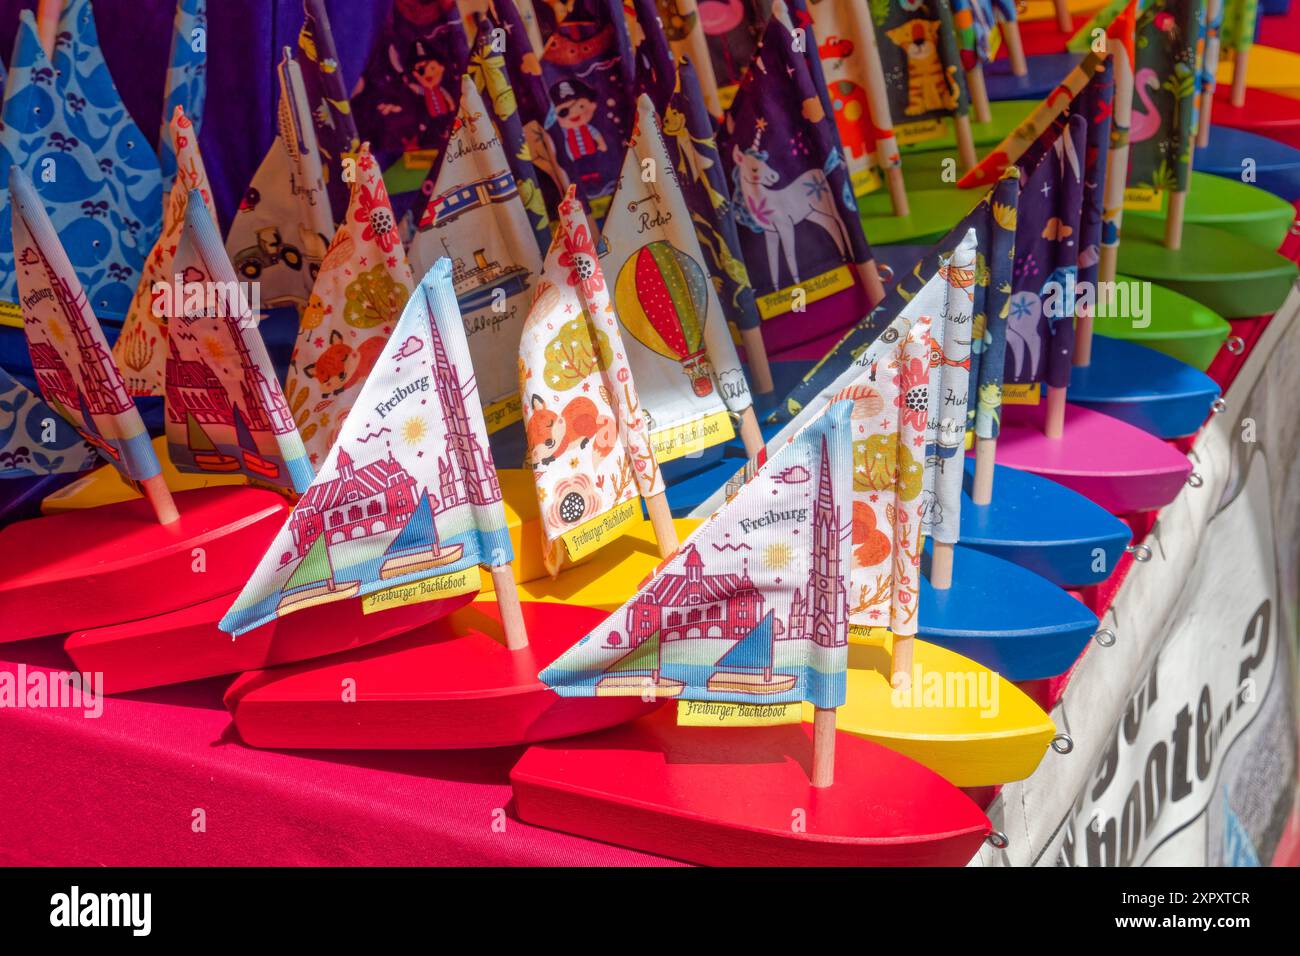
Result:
[[869, 276], [661, 521], [1064, 22], [47, 24], [1239, 66], [965, 143], [760, 371], [1054, 425], [864, 39], [159, 497], [979, 94], [512, 613], [751, 436], [1117, 159], [823, 762], [982, 487], [1015, 47]]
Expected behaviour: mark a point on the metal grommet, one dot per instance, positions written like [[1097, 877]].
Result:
[[1062, 743], [886, 272], [1220, 405], [1141, 553], [1105, 637], [1194, 480], [1295, 228], [1235, 344], [998, 840]]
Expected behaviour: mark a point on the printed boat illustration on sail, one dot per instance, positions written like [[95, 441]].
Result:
[[638, 672], [476, 286], [253, 462], [313, 582], [204, 450], [417, 548], [748, 667]]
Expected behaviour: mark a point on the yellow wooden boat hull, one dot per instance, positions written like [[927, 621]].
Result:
[[1046, 9], [1269, 68], [945, 723]]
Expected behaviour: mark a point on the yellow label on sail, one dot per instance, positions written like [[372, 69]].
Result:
[[919, 131], [11, 313], [430, 589], [500, 414], [867, 181], [592, 535], [692, 437], [713, 713], [784, 300], [1144, 198], [1022, 393], [865, 634]]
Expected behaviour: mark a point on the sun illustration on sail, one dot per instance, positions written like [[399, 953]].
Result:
[[214, 347], [414, 431], [777, 556]]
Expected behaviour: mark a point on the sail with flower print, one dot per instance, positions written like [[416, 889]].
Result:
[[185, 86], [363, 284], [476, 216], [679, 346], [407, 504], [587, 430], [218, 373], [141, 349]]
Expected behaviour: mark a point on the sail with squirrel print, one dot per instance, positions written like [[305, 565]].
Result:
[[362, 287], [477, 218], [222, 397], [407, 503], [587, 430], [141, 348]]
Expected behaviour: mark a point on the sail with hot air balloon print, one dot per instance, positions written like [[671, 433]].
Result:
[[753, 608], [587, 430], [224, 410], [70, 358], [476, 217], [34, 439], [1163, 125], [141, 348], [679, 346], [186, 83], [407, 504]]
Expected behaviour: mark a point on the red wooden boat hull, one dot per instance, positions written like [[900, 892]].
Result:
[[450, 685], [742, 797], [116, 563], [187, 645]]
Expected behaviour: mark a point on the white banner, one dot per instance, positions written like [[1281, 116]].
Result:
[[1185, 730]]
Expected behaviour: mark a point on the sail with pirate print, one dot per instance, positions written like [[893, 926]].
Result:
[[73, 366], [476, 216], [359, 293], [922, 64], [754, 606], [218, 372], [587, 430], [141, 348], [407, 504], [186, 84]]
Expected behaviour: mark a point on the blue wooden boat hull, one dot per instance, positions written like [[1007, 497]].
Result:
[[1277, 165], [1043, 527], [1046, 70], [1146, 388], [21, 497], [1004, 617]]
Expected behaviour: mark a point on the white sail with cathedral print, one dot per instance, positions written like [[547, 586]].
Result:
[[407, 505], [753, 607], [224, 409], [74, 369], [679, 345], [477, 219]]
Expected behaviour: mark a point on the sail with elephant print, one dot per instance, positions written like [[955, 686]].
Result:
[[407, 504], [223, 407], [141, 348], [798, 219], [363, 284], [679, 346], [587, 430], [477, 218], [921, 59]]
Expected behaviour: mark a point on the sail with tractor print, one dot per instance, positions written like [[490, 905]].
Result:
[[407, 504], [34, 439], [284, 221], [224, 410], [362, 287], [1163, 127], [922, 64], [476, 217], [186, 84], [587, 430], [680, 349], [141, 348], [753, 607], [74, 369], [798, 219]]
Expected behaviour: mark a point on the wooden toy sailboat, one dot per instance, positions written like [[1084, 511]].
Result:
[[672, 788]]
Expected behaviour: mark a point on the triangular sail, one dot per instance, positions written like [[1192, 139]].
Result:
[[217, 363], [186, 85], [415, 439], [322, 79], [74, 368], [771, 563], [314, 568]]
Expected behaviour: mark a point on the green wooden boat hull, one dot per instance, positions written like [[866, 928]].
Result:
[[1233, 206], [1176, 325]]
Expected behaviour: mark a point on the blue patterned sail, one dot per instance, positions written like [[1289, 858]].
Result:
[[186, 85]]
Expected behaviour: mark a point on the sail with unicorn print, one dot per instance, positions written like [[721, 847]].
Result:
[[407, 504]]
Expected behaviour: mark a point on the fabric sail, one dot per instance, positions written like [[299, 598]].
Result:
[[284, 222], [322, 78], [186, 82], [753, 607], [922, 65], [587, 430], [798, 219], [74, 369], [684, 29], [477, 218], [364, 282], [141, 348], [679, 347], [975, 22], [104, 238], [1239, 18], [407, 504], [224, 410], [35, 439], [406, 100], [1163, 126], [733, 33]]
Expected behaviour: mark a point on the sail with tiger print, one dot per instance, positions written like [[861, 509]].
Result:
[[922, 65]]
